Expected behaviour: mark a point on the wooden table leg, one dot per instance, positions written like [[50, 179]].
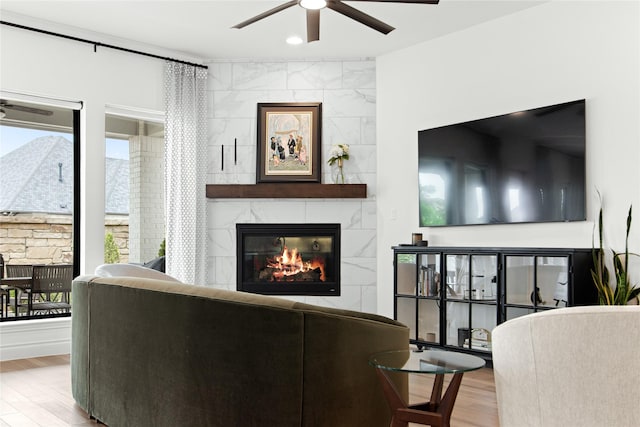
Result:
[[446, 405], [436, 392], [436, 412]]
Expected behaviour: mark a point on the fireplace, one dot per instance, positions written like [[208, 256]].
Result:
[[288, 259]]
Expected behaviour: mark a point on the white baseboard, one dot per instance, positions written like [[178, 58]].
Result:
[[22, 339]]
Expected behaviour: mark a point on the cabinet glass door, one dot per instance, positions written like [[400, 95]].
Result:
[[429, 320], [457, 277], [471, 300], [519, 279], [407, 274], [483, 320], [538, 281], [406, 313], [458, 331], [552, 280], [484, 278], [429, 275], [471, 281], [429, 279]]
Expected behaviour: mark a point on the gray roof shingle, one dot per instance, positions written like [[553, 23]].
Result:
[[38, 177]]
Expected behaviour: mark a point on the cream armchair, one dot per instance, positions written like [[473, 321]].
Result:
[[569, 367]]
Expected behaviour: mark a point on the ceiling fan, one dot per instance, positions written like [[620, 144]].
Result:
[[6, 105], [313, 14]]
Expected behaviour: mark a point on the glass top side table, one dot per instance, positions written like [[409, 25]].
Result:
[[437, 411]]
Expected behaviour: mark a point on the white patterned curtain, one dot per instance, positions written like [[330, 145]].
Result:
[[185, 172]]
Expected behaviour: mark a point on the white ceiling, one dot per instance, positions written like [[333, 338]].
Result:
[[201, 30]]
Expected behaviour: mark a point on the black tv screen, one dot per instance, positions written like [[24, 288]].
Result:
[[527, 166]]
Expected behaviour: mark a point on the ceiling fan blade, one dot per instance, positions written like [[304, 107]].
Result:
[[401, 1], [266, 14], [25, 109], [313, 25], [361, 17]]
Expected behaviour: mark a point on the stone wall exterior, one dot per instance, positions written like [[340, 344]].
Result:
[[47, 239]]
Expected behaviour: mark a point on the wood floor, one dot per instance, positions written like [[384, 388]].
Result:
[[476, 404], [37, 393]]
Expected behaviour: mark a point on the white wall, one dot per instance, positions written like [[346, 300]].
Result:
[[556, 52], [348, 95], [37, 64]]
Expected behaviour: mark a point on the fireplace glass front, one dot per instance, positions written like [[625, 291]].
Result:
[[288, 259]]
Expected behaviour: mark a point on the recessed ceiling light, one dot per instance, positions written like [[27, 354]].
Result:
[[313, 4], [294, 40]]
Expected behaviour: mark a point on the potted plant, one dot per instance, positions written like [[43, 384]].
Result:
[[623, 291]]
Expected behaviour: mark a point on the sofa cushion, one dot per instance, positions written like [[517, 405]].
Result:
[[195, 290], [131, 270]]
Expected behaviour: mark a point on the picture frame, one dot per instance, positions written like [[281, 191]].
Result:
[[289, 142]]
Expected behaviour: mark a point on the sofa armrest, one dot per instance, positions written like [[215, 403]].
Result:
[[341, 388], [80, 342]]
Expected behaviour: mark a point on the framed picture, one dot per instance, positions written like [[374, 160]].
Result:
[[289, 142]]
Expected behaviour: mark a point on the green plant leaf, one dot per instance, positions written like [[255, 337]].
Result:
[[623, 291]]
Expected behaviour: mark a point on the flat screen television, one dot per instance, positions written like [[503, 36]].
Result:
[[522, 167]]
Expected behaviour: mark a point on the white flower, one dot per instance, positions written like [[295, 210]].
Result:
[[335, 151], [339, 151]]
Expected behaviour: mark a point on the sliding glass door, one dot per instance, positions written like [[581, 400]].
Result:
[[39, 190]]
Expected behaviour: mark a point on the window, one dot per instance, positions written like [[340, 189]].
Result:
[[39, 154], [134, 192]]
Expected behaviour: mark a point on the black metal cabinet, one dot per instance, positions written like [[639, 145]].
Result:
[[453, 297]]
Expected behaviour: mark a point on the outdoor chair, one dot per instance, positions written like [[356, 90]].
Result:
[[16, 270], [20, 291], [51, 289]]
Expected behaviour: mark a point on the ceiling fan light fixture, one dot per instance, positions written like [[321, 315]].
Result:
[[313, 4], [294, 40], [2, 114]]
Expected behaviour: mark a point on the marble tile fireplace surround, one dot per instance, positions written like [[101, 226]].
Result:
[[347, 90], [288, 259]]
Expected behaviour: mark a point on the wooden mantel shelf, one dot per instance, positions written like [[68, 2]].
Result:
[[279, 190]]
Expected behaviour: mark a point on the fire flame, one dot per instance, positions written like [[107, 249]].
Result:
[[290, 263]]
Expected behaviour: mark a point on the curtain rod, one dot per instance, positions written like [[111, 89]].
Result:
[[96, 44]]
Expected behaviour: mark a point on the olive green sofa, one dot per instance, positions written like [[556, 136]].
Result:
[[148, 352]]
